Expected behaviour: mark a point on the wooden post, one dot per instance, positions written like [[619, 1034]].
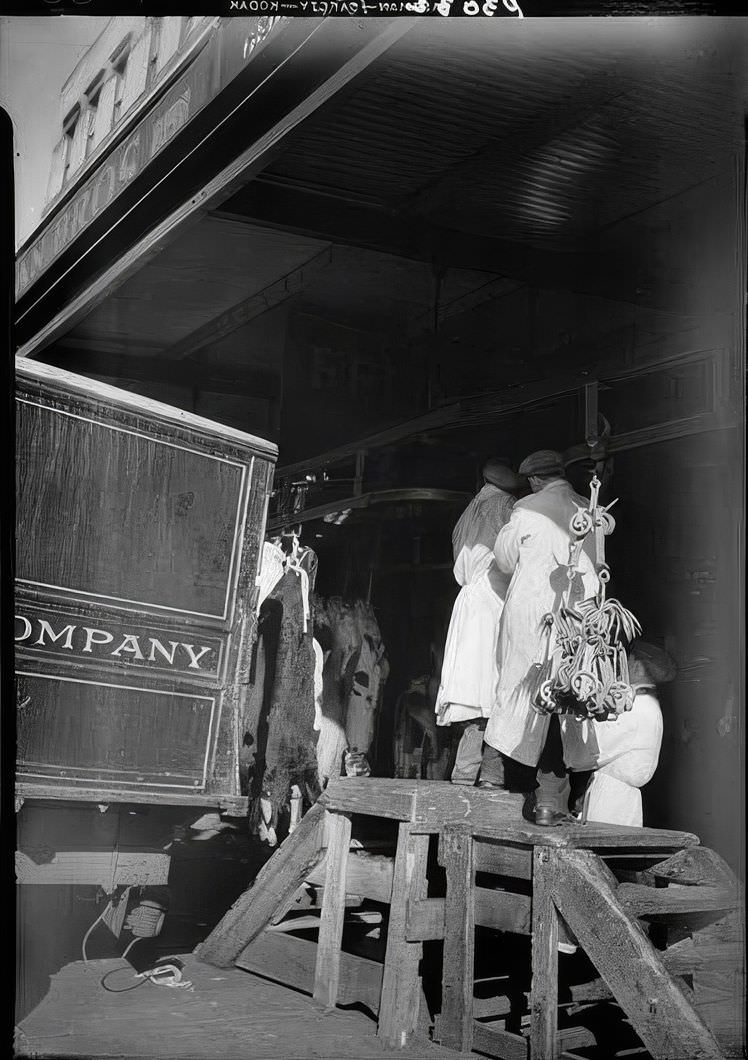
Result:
[[401, 985], [276, 882], [327, 968], [584, 891], [544, 992], [455, 1026]]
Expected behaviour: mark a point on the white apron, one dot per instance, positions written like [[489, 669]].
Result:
[[469, 676], [534, 549], [624, 754]]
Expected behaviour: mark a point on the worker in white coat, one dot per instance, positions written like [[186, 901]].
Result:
[[469, 675], [534, 550], [623, 752]]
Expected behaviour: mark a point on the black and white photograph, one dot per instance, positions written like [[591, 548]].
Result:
[[373, 542]]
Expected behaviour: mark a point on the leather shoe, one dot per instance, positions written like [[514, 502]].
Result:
[[547, 817]]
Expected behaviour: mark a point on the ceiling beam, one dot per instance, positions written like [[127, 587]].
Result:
[[249, 309], [630, 275], [272, 205]]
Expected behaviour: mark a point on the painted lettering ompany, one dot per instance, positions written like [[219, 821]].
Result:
[[82, 640]]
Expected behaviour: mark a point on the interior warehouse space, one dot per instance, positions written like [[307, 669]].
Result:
[[299, 291]]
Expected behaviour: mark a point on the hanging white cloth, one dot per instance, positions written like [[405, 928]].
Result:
[[534, 549], [319, 665], [272, 568], [624, 754], [469, 673], [293, 564]]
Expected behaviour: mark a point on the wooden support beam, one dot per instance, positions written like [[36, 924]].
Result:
[[290, 960], [367, 875], [498, 910], [327, 971], [454, 1028], [276, 882], [401, 984], [503, 860], [493, 1007], [544, 1043], [682, 958], [719, 992], [583, 890], [497, 1042], [640, 900], [105, 869], [696, 866]]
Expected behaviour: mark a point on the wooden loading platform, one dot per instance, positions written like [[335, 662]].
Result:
[[655, 916]]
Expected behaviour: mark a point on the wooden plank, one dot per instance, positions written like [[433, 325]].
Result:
[[499, 910], [641, 900], [327, 973], [682, 958], [454, 1028], [291, 960], [498, 1042], [368, 875], [401, 985], [503, 860], [493, 1007], [583, 890], [544, 1043], [278, 879], [106, 869], [695, 866], [719, 992], [431, 805], [377, 797]]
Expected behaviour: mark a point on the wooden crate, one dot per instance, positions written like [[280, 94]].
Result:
[[139, 529]]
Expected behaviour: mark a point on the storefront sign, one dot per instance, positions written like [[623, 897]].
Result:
[[64, 635]]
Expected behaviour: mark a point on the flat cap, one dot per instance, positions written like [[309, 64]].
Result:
[[648, 662], [543, 462]]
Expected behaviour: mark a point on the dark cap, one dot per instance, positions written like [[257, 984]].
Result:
[[543, 462], [648, 662]]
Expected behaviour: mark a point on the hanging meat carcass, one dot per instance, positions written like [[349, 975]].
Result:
[[279, 716], [354, 674]]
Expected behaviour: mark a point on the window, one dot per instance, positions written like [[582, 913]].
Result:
[[153, 51], [93, 95], [119, 61], [69, 128]]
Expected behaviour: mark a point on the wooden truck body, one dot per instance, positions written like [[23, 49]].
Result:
[[139, 530]]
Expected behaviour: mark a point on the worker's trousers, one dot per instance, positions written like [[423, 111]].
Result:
[[550, 780], [469, 752]]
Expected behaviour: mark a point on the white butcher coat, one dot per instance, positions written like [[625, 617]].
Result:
[[534, 548], [469, 675], [624, 754]]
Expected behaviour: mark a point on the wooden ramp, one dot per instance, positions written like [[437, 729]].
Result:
[[658, 916]]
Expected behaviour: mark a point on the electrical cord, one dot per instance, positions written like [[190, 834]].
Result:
[[113, 971], [90, 931]]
